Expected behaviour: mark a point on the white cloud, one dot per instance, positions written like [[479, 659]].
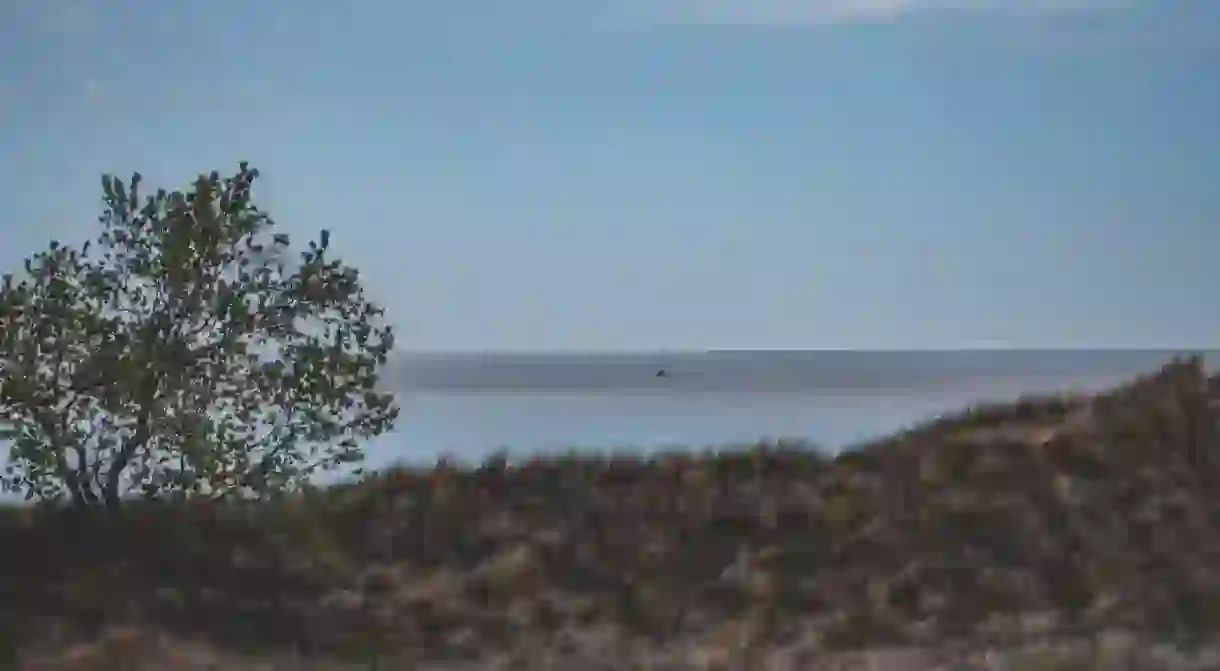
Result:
[[813, 12], [781, 12]]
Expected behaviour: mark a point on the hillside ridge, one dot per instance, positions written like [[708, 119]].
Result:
[[1046, 517]]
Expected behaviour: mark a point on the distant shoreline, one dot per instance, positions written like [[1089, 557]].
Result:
[[558, 353], [821, 372]]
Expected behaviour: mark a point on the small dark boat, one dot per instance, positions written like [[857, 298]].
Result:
[[662, 373]]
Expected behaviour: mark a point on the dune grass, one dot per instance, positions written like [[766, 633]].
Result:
[[932, 538]]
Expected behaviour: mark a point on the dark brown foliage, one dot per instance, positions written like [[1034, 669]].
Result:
[[1097, 509]]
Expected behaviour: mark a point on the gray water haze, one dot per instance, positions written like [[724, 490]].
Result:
[[760, 371], [469, 405]]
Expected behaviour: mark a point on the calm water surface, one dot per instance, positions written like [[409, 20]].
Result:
[[470, 405]]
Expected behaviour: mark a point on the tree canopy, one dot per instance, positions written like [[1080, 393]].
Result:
[[186, 351]]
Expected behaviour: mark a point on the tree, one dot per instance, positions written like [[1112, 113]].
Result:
[[189, 355]]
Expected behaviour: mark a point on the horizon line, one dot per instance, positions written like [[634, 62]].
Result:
[[762, 350]]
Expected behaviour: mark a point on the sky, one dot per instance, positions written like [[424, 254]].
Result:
[[666, 174]]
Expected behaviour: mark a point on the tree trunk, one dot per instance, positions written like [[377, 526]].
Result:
[[110, 491]]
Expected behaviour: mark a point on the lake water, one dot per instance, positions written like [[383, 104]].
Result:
[[470, 405]]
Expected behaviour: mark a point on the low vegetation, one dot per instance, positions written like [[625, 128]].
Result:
[[942, 539]]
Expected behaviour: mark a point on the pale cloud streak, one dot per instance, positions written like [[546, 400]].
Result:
[[781, 12], [1077, 26], [814, 12]]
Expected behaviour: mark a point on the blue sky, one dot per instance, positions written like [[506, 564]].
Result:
[[637, 175]]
